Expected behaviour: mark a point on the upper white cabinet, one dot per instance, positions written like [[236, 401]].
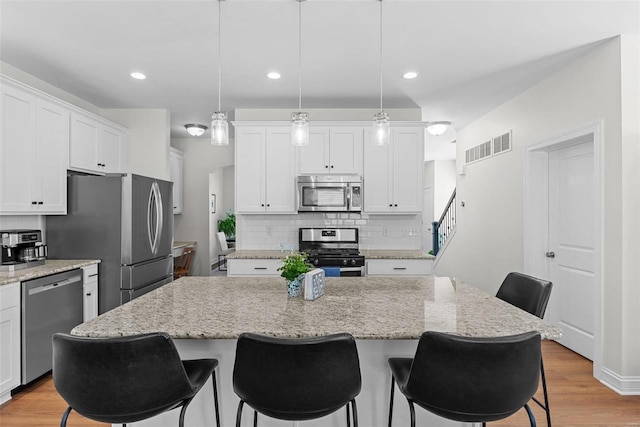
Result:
[[175, 158], [9, 339], [264, 169], [393, 172], [95, 145], [34, 154], [332, 150]]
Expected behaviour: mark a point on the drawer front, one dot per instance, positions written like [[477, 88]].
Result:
[[10, 296], [253, 267], [399, 267], [90, 273]]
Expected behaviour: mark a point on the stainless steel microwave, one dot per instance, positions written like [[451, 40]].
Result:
[[329, 193]]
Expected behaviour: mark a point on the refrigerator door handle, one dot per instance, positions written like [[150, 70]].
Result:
[[154, 217]]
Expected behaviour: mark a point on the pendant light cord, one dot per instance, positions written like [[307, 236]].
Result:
[[219, 55], [380, 55], [300, 55]]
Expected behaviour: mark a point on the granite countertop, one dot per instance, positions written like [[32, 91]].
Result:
[[368, 254], [395, 254], [366, 307], [51, 266]]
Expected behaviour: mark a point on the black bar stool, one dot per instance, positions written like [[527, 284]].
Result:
[[469, 379], [127, 379], [297, 379], [531, 295]]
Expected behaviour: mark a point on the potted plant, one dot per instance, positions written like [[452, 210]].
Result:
[[228, 225], [294, 266]]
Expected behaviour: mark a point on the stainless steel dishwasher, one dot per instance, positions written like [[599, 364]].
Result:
[[50, 304]]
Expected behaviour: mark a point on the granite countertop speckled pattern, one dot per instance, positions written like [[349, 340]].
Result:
[[366, 307], [368, 254], [51, 266]]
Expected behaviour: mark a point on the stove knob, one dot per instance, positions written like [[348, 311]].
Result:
[[353, 261], [344, 262], [316, 262]]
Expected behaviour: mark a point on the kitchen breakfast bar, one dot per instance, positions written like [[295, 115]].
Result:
[[205, 315]]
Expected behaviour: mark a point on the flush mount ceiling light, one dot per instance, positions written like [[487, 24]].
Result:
[[410, 75], [219, 124], [381, 126], [300, 120], [273, 75], [195, 130], [438, 128], [138, 76]]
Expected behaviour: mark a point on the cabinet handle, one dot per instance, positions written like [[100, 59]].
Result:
[[326, 166], [331, 166], [396, 205], [399, 268], [34, 203], [41, 203], [390, 205], [89, 294], [259, 268], [268, 205], [262, 205]]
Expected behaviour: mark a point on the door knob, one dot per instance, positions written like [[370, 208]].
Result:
[[550, 254]]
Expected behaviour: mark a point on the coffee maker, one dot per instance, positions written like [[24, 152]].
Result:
[[21, 249]]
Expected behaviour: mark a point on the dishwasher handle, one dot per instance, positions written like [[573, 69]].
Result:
[[55, 285]]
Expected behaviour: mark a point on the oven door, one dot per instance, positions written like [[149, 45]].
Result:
[[318, 197], [351, 271]]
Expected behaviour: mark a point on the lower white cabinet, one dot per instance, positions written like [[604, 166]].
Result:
[[253, 267], [9, 339], [399, 267], [90, 288]]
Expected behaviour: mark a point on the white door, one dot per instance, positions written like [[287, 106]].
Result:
[[427, 219], [572, 245]]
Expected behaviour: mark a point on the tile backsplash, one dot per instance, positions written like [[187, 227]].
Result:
[[375, 231], [27, 222]]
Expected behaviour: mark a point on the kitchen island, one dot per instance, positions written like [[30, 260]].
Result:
[[386, 316]]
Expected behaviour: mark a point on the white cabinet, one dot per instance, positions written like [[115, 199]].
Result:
[[332, 150], [264, 170], [175, 157], [90, 288], [96, 145], [393, 172], [9, 339], [34, 150], [253, 267], [399, 267]]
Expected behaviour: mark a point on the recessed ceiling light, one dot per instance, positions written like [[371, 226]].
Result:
[[410, 75], [138, 76], [274, 75]]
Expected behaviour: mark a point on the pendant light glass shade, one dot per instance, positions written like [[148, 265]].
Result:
[[381, 128], [300, 120], [219, 124], [219, 128], [300, 129]]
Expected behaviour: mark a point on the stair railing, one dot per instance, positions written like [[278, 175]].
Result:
[[443, 228]]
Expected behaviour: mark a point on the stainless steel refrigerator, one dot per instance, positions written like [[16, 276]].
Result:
[[126, 221]]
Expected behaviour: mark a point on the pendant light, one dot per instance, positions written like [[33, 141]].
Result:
[[219, 124], [381, 127], [300, 120]]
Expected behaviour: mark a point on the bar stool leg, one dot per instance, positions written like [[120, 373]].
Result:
[[393, 383]]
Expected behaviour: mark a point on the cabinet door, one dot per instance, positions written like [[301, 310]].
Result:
[[377, 177], [345, 148], [90, 301], [408, 164], [17, 141], [9, 339], [279, 171], [175, 158], [249, 170], [110, 150], [83, 143], [52, 158], [313, 159]]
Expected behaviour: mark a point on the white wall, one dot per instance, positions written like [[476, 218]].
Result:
[[148, 133], [200, 159], [489, 236], [444, 176]]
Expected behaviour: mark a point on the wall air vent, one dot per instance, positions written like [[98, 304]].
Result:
[[502, 143], [496, 145]]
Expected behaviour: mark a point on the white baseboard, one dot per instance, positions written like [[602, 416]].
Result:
[[623, 385], [5, 397]]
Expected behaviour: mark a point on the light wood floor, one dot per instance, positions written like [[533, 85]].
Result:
[[577, 399]]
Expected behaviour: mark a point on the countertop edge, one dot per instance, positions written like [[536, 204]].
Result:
[[50, 267]]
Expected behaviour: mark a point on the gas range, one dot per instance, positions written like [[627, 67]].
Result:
[[333, 247]]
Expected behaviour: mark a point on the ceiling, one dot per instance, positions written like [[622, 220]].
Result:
[[471, 56]]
